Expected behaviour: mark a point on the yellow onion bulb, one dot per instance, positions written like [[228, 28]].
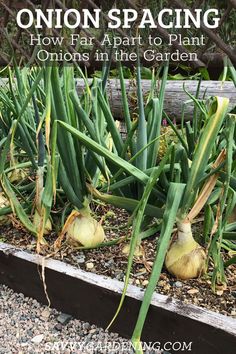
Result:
[[85, 231], [185, 258], [37, 223]]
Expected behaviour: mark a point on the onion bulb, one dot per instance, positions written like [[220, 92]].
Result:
[[37, 223], [85, 231], [185, 258]]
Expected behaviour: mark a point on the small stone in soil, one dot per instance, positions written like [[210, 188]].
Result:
[[86, 326], [220, 292], [161, 283], [120, 276], [89, 265], [58, 327], [233, 313], [166, 287], [109, 263], [37, 339], [145, 282], [63, 318], [92, 331], [80, 259], [192, 291], [178, 284], [45, 313]]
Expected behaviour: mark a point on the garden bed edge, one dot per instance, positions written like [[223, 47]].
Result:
[[94, 298]]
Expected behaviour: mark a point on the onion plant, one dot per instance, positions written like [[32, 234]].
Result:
[[75, 164], [214, 149], [143, 137], [185, 257], [23, 148], [73, 151], [82, 136], [45, 97], [200, 173]]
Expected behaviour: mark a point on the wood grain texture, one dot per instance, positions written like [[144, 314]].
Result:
[[175, 96]]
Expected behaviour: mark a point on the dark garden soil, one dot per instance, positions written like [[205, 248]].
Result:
[[111, 262]]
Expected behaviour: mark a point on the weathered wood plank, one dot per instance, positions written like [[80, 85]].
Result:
[[174, 97]]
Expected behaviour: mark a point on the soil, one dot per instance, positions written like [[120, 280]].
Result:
[[111, 262]]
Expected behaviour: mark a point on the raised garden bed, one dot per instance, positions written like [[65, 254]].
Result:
[[180, 184], [110, 261], [94, 298]]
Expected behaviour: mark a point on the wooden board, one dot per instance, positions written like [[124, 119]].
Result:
[[175, 96], [94, 298]]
